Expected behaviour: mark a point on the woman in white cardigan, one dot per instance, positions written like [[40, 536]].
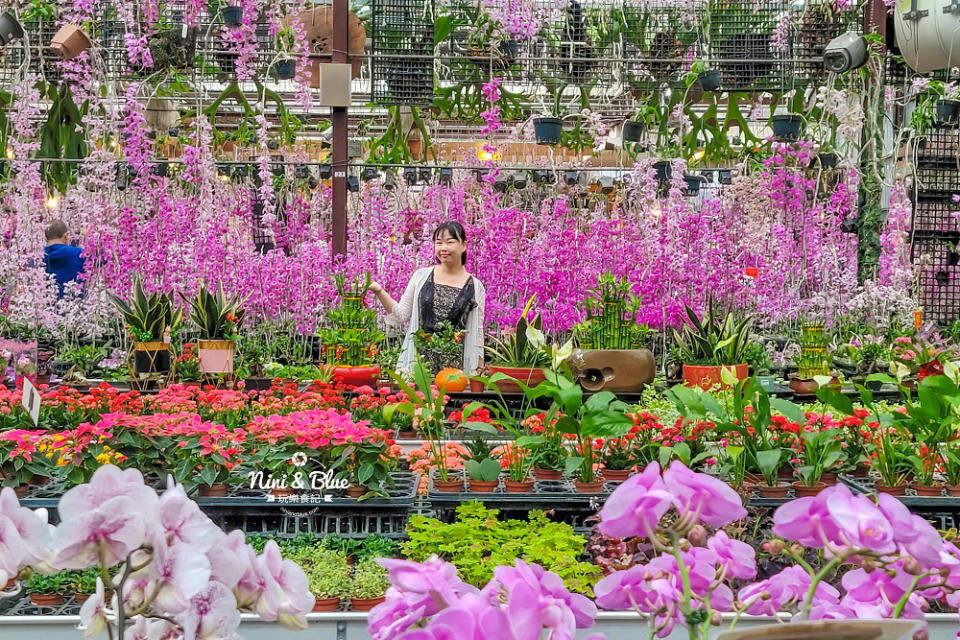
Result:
[[445, 292]]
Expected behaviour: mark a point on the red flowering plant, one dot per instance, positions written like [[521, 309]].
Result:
[[187, 365], [547, 449], [914, 357], [26, 455], [422, 459], [206, 453], [636, 448]]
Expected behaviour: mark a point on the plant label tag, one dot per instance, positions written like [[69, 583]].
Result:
[[31, 400]]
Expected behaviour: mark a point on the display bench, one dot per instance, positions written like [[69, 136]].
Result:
[[353, 626]]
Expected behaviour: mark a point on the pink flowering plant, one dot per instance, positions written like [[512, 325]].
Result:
[[893, 563], [171, 571]]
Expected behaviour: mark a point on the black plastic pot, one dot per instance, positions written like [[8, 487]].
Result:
[[232, 15], [159, 169], [709, 80], [786, 127], [633, 131], [953, 258], [942, 278], [285, 69], [548, 130], [849, 225], [509, 49], [694, 183], [257, 384], [827, 160], [664, 170], [10, 29], [948, 110]]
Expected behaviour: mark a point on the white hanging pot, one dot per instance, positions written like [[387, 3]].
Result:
[[928, 33]]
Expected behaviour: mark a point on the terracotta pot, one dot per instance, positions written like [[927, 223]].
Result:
[[448, 486], [213, 490], [281, 492], [706, 377], [804, 491], [778, 491], [803, 386], [326, 604], [928, 491], [357, 376], [257, 384], [80, 598], [46, 599], [483, 486], [407, 435], [69, 42], [21, 491], [190, 383], [529, 377], [899, 490], [785, 474], [828, 478], [548, 474], [216, 356], [476, 386], [365, 604], [953, 490], [616, 475], [356, 492], [861, 472], [512, 486], [588, 487]]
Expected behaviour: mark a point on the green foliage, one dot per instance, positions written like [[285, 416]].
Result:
[[711, 340], [217, 316], [327, 571], [378, 546], [352, 335], [347, 546], [148, 317], [484, 470], [63, 136], [83, 359], [756, 356], [516, 350], [446, 343], [57, 583], [478, 541], [85, 581], [369, 580], [611, 316]]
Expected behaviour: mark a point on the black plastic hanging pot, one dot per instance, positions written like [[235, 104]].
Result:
[[827, 160], [786, 127], [10, 29], [942, 278], [948, 110], [285, 69], [725, 176], [694, 183], [849, 225], [548, 130], [953, 258], [664, 170], [633, 131], [232, 15], [709, 80]]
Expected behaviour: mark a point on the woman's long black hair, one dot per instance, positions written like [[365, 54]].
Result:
[[456, 231]]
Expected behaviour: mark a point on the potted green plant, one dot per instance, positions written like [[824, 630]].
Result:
[[482, 468], [350, 342], [367, 468], [369, 585], [516, 356], [711, 344], [83, 361], [254, 352], [328, 574], [84, 584], [218, 318], [821, 451], [951, 468], [758, 361], [813, 363], [769, 462], [611, 354], [152, 320], [48, 591], [285, 67]]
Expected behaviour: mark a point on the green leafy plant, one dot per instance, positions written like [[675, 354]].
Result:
[[611, 316], [346, 546], [378, 546], [327, 571], [85, 581], [352, 336], [484, 470], [59, 582], [369, 580], [148, 317], [711, 340], [444, 344], [477, 541], [821, 452], [516, 350], [215, 315], [83, 360]]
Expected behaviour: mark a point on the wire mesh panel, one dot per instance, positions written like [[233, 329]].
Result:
[[402, 52], [938, 179], [935, 215], [743, 45], [660, 40], [816, 26], [937, 262], [939, 146]]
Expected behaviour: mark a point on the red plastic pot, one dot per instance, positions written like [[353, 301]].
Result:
[[213, 490], [529, 377], [326, 604], [358, 376], [707, 377], [548, 474], [616, 475], [365, 604]]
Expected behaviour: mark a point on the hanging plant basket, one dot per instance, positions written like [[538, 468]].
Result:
[[548, 130], [232, 16], [664, 170], [709, 80], [285, 69], [633, 131], [10, 29], [948, 111], [69, 42], [786, 127]]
